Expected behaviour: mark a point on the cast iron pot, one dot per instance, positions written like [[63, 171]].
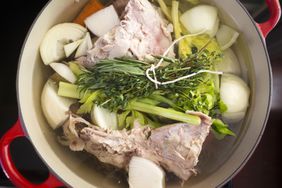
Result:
[[219, 161]]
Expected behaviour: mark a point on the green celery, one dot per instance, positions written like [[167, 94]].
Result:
[[175, 19], [150, 101], [162, 99], [88, 104], [221, 128], [69, 90], [75, 68], [167, 113], [122, 119]]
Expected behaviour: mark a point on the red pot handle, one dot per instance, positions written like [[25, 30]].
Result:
[[10, 169], [275, 14]]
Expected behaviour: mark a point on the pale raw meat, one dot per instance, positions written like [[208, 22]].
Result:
[[142, 31], [174, 147]]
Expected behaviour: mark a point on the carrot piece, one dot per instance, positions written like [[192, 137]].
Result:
[[91, 7]]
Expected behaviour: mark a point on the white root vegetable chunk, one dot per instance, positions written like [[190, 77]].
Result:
[[71, 47], [229, 63], [235, 93], [85, 45], [54, 107], [64, 71], [200, 18], [104, 118], [145, 173], [102, 21], [226, 36], [52, 45]]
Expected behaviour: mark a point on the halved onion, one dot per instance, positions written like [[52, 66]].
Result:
[[201, 18], [102, 21], [64, 71], [52, 46], [226, 36], [145, 173], [54, 107], [229, 63], [104, 118]]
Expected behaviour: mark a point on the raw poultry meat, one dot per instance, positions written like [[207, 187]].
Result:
[[142, 31], [174, 147]]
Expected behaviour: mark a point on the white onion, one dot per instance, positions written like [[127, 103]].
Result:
[[85, 45], [54, 107], [213, 32], [64, 71], [104, 118], [102, 21], [52, 46], [71, 47], [226, 36], [145, 173], [200, 18], [235, 93], [229, 63], [233, 117]]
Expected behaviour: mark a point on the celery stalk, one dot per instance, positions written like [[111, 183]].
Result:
[[167, 113], [165, 9], [88, 104], [160, 98], [69, 90], [184, 45], [175, 19], [75, 68]]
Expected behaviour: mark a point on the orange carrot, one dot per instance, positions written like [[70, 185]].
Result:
[[91, 7]]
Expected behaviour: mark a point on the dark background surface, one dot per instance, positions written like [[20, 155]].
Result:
[[262, 170]]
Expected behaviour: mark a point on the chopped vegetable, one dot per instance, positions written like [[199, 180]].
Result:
[[221, 128], [71, 47], [88, 102], [145, 173], [235, 94], [229, 63], [102, 21], [175, 19], [69, 90], [85, 45], [52, 46], [64, 71], [164, 112], [75, 68], [91, 7], [54, 107], [104, 118], [200, 18], [226, 36]]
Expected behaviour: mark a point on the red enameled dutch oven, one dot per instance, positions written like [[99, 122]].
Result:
[[219, 161]]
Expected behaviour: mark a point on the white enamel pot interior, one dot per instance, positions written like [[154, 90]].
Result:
[[219, 161]]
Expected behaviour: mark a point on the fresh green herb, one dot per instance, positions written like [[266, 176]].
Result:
[[121, 85]]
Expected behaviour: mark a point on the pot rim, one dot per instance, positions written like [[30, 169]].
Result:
[[250, 152]]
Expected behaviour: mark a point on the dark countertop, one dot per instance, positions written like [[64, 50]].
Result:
[[262, 170]]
